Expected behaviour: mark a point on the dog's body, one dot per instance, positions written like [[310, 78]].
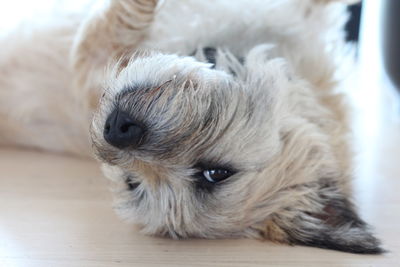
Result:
[[53, 83], [255, 99]]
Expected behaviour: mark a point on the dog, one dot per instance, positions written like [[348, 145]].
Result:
[[213, 119]]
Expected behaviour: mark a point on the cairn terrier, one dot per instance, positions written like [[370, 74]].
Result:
[[214, 119]]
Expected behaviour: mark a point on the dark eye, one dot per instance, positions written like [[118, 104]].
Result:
[[216, 175]]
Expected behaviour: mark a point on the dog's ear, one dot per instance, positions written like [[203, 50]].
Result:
[[324, 218]]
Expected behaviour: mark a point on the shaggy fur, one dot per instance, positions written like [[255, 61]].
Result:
[[248, 86]]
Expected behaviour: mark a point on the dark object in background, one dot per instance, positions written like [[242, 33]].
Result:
[[391, 40], [353, 25]]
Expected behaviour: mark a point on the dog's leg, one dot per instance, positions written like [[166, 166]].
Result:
[[37, 108], [111, 34]]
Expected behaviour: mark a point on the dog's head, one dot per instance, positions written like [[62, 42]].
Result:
[[239, 150]]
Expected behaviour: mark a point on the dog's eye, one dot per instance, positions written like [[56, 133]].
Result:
[[209, 175], [216, 175]]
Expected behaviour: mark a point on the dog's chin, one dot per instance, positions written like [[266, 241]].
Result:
[[113, 172]]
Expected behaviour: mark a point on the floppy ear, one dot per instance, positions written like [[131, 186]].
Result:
[[323, 218]]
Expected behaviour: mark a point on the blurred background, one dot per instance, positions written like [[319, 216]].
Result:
[[15, 12]]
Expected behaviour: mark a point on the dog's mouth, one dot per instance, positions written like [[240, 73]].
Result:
[[131, 185], [131, 182]]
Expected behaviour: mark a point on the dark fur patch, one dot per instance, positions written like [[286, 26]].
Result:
[[326, 241], [336, 227], [339, 214], [203, 186], [211, 55]]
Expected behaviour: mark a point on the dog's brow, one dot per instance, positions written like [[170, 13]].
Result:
[[153, 91], [150, 92], [159, 87]]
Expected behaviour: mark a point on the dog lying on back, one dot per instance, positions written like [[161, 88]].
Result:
[[214, 119]]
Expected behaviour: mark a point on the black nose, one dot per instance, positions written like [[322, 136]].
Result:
[[122, 131]]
